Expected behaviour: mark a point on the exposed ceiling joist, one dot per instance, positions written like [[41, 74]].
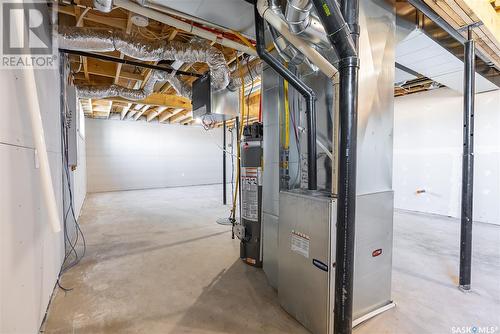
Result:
[[161, 100]]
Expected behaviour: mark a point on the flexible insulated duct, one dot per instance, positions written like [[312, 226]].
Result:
[[106, 40], [183, 25], [100, 92], [104, 6], [254, 71]]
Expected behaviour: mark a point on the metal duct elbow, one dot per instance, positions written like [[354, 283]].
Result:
[[284, 48], [104, 6], [298, 15], [105, 40], [302, 22], [336, 28]]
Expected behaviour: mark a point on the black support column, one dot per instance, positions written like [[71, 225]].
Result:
[[467, 165], [224, 191]]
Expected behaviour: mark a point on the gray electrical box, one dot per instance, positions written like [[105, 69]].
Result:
[[71, 122]]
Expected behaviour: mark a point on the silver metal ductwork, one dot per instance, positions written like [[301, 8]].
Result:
[[253, 72], [297, 15], [285, 49], [106, 40], [104, 6], [181, 87], [302, 22], [100, 92]]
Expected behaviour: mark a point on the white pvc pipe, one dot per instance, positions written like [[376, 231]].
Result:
[[33, 103], [184, 26], [41, 150], [282, 27], [325, 149]]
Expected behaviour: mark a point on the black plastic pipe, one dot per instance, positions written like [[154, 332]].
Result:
[[224, 191], [467, 165], [303, 89], [341, 25], [336, 27]]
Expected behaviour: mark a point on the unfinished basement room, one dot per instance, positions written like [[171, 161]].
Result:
[[250, 166]]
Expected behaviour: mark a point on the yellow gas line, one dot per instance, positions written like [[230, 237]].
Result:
[[244, 39], [287, 117], [238, 170]]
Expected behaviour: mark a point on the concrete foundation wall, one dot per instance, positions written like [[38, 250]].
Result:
[[123, 155], [428, 153], [30, 253]]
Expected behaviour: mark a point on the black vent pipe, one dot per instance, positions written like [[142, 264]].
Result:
[[341, 25], [302, 88]]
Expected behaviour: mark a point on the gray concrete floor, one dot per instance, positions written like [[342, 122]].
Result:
[[158, 263]]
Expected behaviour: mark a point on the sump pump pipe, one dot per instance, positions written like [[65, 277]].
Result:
[[341, 25], [302, 88]]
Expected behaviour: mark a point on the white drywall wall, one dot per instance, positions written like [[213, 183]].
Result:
[[80, 173], [30, 253], [123, 155], [428, 153]]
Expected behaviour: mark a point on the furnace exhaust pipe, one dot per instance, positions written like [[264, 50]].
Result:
[[342, 29]]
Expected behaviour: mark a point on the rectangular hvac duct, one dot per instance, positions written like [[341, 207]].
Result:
[[422, 54], [216, 105], [235, 15]]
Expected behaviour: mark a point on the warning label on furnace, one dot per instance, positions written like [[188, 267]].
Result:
[[250, 193], [300, 243]]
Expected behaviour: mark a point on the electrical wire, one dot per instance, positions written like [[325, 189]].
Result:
[[71, 254], [238, 138], [72, 245], [80, 65], [296, 104], [251, 89], [232, 165], [210, 124]]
